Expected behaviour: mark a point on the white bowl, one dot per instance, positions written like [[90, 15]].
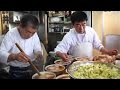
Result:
[[52, 53], [117, 63]]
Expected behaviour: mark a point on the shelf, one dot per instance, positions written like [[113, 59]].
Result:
[[60, 22], [23, 11], [58, 32], [56, 16], [56, 22], [67, 22]]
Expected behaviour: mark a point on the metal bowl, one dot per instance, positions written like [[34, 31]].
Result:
[[55, 68], [75, 65], [63, 76], [44, 75], [60, 61]]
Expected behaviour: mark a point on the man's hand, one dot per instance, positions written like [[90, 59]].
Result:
[[113, 52], [19, 56], [22, 57], [109, 52], [64, 56]]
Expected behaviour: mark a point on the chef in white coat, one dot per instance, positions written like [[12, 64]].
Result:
[[80, 40], [26, 36]]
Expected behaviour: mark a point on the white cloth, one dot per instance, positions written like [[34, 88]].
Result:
[[72, 37], [30, 46]]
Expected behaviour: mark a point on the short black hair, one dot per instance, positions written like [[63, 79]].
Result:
[[78, 16], [29, 20]]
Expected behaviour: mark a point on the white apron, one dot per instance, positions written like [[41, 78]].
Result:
[[83, 49]]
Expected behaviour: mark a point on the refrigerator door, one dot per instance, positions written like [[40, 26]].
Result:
[[112, 41]]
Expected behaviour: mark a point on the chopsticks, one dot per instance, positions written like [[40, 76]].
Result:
[[28, 59]]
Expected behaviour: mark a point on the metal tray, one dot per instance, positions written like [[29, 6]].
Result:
[[75, 65]]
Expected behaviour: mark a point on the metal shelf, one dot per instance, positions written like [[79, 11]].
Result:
[[57, 32], [56, 22]]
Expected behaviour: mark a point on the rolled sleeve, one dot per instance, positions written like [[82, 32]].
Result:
[[101, 47]]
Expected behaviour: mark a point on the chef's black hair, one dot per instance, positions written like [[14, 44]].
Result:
[[29, 20], [78, 16]]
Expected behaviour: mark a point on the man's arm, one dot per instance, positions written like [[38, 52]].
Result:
[[63, 47], [96, 41], [97, 44], [109, 52], [6, 45], [64, 56], [5, 54], [19, 56]]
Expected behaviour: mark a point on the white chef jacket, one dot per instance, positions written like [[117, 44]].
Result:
[[30, 46], [72, 38]]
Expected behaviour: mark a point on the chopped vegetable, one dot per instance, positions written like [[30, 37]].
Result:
[[97, 71]]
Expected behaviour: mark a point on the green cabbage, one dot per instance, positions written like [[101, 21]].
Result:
[[97, 71]]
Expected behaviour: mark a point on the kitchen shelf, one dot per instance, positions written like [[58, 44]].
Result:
[[67, 22], [62, 23], [58, 32], [59, 22], [56, 22], [56, 16]]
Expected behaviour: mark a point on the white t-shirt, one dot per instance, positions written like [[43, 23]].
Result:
[[72, 38], [8, 46]]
